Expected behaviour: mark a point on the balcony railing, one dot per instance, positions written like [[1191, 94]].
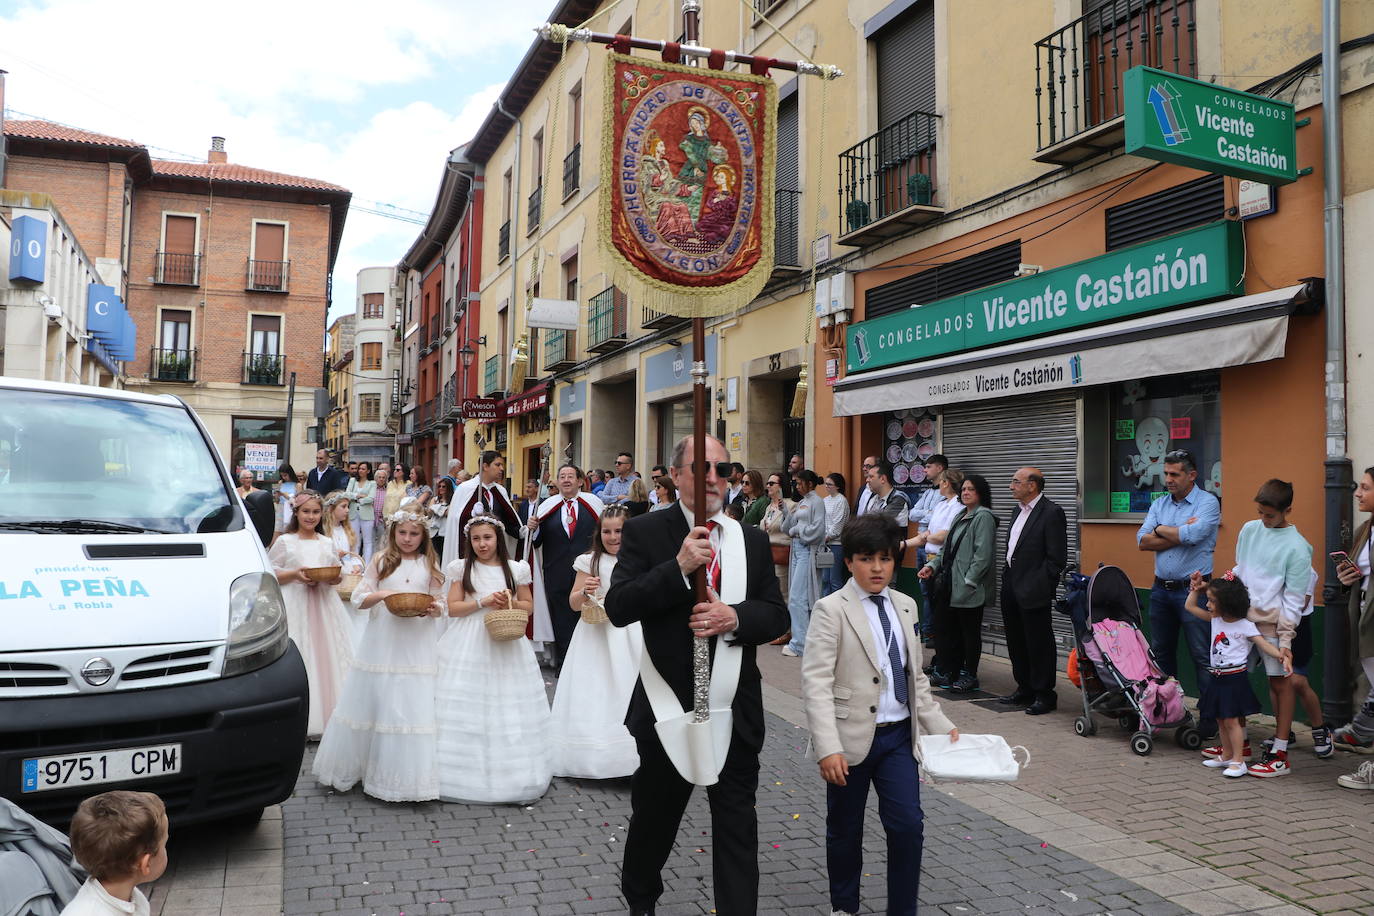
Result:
[[503, 242], [560, 350], [536, 209], [175, 268], [448, 403], [424, 415], [787, 228], [572, 171], [649, 318], [492, 380], [269, 276], [434, 330], [887, 181], [262, 368], [1079, 70], [606, 321], [173, 365]]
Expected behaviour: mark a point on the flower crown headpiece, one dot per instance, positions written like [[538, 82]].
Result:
[[303, 497], [405, 515], [483, 518], [333, 499]]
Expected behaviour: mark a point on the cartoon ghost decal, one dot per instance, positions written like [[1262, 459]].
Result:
[[1147, 467]]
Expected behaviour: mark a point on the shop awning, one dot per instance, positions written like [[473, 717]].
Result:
[[1232, 332]]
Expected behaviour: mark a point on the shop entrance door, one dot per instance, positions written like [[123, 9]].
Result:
[[995, 438]]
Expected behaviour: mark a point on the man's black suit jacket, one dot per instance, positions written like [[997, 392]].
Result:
[[648, 587], [324, 484], [1042, 552], [559, 551]]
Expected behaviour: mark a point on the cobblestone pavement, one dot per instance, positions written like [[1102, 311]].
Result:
[[351, 854]]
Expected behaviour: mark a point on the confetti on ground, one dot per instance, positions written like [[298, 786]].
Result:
[[777, 846], [796, 817], [1044, 845], [1072, 896]]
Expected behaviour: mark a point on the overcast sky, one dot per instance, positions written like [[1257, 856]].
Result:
[[368, 95]]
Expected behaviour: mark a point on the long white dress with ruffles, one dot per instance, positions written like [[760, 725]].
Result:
[[492, 711], [589, 738], [383, 732], [318, 623], [352, 564]]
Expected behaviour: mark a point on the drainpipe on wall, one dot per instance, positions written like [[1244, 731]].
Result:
[[1337, 705], [514, 305], [2, 128]]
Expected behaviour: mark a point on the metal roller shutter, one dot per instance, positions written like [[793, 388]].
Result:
[[906, 64], [995, 439], [788, 161]]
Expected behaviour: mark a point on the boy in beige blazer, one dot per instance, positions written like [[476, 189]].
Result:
[[867, 703]]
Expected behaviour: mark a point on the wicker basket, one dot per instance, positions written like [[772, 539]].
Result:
[[409, 604], [322, 573], [506, 623], [345, 588], [593, 611]]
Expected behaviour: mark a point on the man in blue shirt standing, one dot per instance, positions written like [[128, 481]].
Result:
[[1181, 529], [618, 487]]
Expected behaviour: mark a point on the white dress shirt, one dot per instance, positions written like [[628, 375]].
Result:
[[94, 900], [1015, 534], [865, 495], [889, 710]]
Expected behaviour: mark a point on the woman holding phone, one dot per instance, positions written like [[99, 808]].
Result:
[[1353, 571]]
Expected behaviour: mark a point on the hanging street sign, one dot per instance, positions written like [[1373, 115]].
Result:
[[1176, 119], [1193, 266]]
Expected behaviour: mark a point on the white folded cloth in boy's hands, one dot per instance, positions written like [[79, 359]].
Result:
[[973, 758]]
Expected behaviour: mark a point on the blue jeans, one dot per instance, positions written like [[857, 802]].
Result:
[[925, 624], [801, 595], [835, 576], [1167, 618], [892, 769]]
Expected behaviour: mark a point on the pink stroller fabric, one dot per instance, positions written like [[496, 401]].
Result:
[[1125, 647]]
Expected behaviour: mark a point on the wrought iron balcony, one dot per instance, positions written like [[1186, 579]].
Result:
[[173, 365], [176, 268], [607, 320], [887, 181], [493, 380], [560, 350], [450, 406], [535, 211], [262, 368], [424, 415], [503, 242], [1079, 70], [269, 276], [652, 319], [572, 171], [787, 230]]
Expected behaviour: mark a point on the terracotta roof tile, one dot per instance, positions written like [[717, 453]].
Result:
[[47, 130], [222, 171]]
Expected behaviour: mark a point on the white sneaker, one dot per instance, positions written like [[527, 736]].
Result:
[[790, 652], [842, 913], [1235, 768], [1215, 762], [1362, 778]]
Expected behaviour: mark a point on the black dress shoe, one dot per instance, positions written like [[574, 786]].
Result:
[[636, 911], [1016, 699], [1039, 708]]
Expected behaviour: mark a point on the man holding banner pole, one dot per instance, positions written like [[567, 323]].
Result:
[[661, 553]]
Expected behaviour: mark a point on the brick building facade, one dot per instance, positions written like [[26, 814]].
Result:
[[225, 269]]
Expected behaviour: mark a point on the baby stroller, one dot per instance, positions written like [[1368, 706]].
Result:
[[1119, 675]]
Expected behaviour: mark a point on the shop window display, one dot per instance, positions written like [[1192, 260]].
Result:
[[1140, 423], [909, 438]]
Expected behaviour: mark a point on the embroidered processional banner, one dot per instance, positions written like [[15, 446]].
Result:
[[689, 220]]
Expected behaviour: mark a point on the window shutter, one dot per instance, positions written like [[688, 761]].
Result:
[[788, 158], [1171, 210], [179, 235], [906, 64], [270, 244], [973, 272]]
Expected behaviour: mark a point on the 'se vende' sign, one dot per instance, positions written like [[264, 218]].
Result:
[[1172, 118], [1192, 266]]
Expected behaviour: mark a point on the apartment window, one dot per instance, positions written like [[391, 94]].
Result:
[[267, 268], [575, 116], [905, 51], [172, 358], [973, 272], [175, 329], [369, 408], [265, 334], [570, 278], [373, 306], [1184, 206], [177, 262], [371, 356]]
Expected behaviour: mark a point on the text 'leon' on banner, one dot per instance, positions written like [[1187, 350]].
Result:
[[689, 220]]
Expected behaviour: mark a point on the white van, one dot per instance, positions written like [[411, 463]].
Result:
[[143, 637]]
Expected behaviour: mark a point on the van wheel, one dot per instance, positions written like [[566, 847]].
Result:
[[243, 820]]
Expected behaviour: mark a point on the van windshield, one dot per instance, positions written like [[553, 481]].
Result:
[[91, 464]]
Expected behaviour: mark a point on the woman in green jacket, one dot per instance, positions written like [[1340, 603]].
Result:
[[969, 550]]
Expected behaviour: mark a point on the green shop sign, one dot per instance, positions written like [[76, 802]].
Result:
[[1192, 266], [1185, 121]]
